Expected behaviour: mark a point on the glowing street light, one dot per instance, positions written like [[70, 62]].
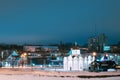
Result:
[[94, 54], [107, 55], [23, 55], [115, 55], [24, 58]]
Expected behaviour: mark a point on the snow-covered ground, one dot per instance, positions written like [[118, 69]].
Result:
[[31, 74], [37, 77]]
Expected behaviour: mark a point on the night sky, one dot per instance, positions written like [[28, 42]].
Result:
[[52, 21]]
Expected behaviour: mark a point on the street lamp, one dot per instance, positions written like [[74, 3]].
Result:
[[94, 56], [116, 58], [24, 58], [106, 57]]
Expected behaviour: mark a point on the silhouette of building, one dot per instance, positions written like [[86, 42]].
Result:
[[97, 43], [102, 41], [93, 44]]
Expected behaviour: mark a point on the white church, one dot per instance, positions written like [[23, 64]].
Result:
[[76, 62]]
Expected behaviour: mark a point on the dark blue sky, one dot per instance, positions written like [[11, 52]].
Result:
[[23, 21]]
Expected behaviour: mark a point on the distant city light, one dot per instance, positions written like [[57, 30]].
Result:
[[106, 48]]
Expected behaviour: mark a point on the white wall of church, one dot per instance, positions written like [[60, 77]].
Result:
[[77, 62]]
